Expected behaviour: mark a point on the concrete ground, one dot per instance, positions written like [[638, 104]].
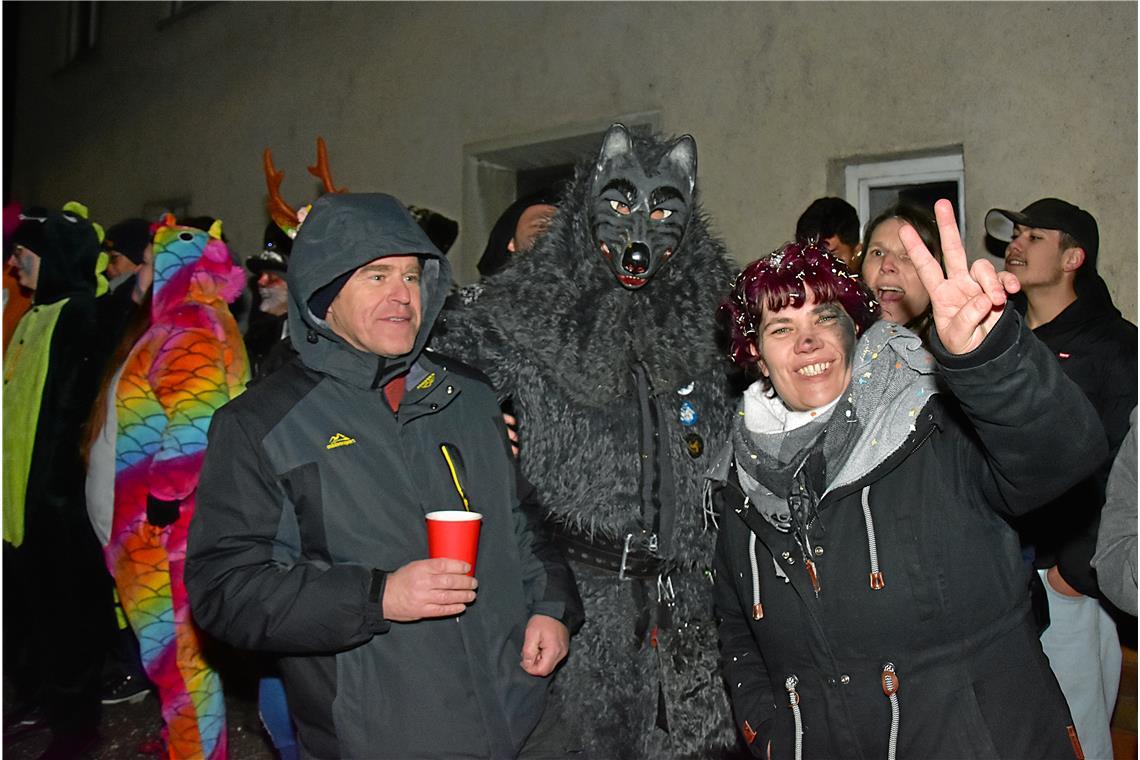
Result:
[[124, 727]]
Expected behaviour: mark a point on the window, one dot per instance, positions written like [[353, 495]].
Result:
[[872, 186], [497, 172]]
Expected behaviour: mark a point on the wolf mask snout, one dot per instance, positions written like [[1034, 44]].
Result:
[[641, 203]]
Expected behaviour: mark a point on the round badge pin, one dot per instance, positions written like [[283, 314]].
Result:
[[695, 445], [688, 413]]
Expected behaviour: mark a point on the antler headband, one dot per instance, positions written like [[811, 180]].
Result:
[[281, 212]]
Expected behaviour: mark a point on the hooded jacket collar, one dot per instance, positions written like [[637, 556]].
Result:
[[341, 233]]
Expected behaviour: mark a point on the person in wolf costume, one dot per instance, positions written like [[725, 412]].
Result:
[[603, 339]]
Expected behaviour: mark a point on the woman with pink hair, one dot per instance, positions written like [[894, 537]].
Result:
[[862, 498]]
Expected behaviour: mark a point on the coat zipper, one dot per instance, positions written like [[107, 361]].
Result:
[[794, 701], [891, 689]]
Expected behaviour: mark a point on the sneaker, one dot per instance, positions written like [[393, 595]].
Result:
[[124, 689]]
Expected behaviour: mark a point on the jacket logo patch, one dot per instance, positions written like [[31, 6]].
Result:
[[426, 383], [339, 439]]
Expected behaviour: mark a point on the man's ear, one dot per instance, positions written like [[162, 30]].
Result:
[[511, 245], [1072, 259]]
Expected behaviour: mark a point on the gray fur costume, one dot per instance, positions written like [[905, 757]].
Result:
[[558, 334]]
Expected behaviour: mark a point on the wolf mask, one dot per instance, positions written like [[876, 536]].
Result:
[[640, 213]]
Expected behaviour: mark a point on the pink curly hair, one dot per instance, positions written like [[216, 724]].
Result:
[[780, 280]]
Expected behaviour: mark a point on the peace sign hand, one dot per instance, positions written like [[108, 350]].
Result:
[[967, 301]]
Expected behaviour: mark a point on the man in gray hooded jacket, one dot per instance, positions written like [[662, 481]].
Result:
[[309, 541]]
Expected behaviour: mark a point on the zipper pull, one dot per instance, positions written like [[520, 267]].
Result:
[[890, 680], [810, 565]]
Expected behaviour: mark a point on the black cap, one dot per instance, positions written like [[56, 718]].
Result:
[[274, 254], [129, 237], [1049, 214]]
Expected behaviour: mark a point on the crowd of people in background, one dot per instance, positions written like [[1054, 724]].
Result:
[[121, 346]]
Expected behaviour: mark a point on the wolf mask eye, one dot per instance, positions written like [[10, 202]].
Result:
[[658, 214], [620, 207]]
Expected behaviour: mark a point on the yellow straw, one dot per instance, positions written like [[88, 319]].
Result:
[[455, 477]]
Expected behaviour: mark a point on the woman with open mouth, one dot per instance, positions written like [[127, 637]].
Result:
[[888, 270]]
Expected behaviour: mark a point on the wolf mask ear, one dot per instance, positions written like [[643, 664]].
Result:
[[615, 144], [683, 158]]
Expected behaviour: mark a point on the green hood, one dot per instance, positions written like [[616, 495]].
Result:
[[341, 233]]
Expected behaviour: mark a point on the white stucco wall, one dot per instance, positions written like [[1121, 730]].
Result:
[[1042, 97]]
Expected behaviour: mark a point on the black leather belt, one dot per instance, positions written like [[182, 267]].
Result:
[[623, 559]]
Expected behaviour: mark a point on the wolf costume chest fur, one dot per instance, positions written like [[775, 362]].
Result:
[[604, 338]]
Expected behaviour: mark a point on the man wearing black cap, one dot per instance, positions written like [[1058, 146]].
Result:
[[127, 245], [265, 338], [310, 537], [1052, 249]]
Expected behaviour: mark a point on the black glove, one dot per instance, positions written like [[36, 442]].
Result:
[[160, 512]]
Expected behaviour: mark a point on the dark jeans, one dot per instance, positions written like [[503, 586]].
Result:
[[57, 617]]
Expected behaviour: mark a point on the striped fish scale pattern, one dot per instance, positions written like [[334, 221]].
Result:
[[188, 364]]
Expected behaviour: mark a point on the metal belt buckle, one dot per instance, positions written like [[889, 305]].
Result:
[[624, 557]]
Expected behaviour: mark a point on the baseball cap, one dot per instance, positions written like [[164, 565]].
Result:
[[1048, 214]]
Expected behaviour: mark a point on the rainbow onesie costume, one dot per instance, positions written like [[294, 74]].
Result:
[[188, 364]]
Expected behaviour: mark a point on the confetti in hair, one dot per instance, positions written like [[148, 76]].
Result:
[[781, 280]]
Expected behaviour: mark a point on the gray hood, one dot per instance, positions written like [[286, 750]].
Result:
[[341, 233]]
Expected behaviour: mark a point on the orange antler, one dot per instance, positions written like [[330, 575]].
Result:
[[279, 211], [321, 170]]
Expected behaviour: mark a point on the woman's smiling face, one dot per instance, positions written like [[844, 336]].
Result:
[[805, 351]]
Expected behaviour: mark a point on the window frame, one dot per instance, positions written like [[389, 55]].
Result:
[[861, 177]]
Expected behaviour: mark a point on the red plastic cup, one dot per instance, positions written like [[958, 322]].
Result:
[[454, 535]]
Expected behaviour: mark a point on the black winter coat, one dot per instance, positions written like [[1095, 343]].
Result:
[[952, 617]]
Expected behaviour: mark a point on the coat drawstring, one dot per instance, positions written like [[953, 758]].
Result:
[[757, 607], [708, 509], [794, 700], [872, 546], [891, 689]]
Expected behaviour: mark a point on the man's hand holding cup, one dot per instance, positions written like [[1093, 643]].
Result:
[[428, 588]]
